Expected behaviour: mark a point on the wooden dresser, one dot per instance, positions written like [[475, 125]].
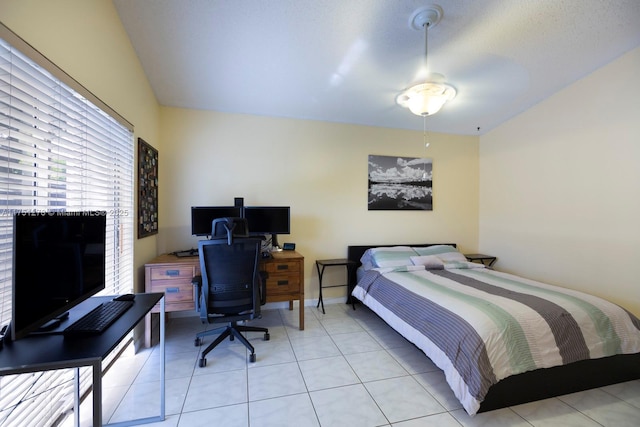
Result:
[[172, 275]]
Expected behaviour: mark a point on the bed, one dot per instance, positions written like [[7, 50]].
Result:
[[500, 339]]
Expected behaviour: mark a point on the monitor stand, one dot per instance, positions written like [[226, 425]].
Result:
[[274, 241], [53, 323]]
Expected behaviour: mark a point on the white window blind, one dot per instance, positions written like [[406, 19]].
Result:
[[61, 149]]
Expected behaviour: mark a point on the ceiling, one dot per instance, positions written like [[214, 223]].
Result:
[[346, 61]]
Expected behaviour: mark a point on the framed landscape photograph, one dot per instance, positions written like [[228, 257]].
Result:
[[147, 189], [400, 183]]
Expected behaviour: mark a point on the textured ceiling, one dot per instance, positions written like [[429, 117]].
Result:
[[346, 61]]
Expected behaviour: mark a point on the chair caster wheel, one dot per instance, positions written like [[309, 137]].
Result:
[[267, 337], [197, 342], [231, 337], [202, 363], [252, 358]]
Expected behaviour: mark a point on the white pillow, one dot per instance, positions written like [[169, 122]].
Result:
[[430, 262], [452, 257], [394, 256]]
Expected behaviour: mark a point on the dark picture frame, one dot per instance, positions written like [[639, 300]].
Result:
[[400, 183], [147, 189]]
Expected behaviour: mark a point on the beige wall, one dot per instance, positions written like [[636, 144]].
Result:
[[86, 39], [317, 168], [560, 187], [559, 183]]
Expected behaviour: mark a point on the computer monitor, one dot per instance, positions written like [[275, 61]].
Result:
[[58, 262], [267, 219], [202, 217], [271, 220]]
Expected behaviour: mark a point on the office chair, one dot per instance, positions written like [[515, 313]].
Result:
[[230, 288]]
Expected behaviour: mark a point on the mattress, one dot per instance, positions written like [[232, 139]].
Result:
[[480, 326]]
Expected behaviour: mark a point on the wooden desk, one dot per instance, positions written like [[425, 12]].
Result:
[[172, 275], [286, 279], [54, 351]]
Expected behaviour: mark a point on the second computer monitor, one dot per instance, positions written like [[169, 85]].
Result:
[[268, 219]]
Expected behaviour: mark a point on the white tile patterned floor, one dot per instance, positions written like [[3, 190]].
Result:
[[347, 368]]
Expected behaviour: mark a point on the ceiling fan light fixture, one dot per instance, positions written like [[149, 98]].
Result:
[[426, 99]]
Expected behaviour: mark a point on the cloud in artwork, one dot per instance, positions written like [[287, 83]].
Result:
[[405, 170]]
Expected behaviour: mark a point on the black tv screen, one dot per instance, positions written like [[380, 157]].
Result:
[[267, 219], [203, 216], [58, 262]]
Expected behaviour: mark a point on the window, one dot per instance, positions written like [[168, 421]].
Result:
[[61, 149]]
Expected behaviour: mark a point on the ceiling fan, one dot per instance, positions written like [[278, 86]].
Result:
[[426, 98]]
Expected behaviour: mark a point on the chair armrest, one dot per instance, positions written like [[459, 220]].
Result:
[[263, 287], [197, 291]]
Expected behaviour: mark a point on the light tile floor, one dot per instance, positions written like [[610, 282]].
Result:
[[347, 368]]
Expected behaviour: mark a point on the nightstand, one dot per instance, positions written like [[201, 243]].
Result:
[[487, 260], [321, 264]]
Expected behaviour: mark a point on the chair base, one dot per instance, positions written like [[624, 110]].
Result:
[[232, 330]]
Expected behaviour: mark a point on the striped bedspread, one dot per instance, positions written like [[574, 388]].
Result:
[[480, 326]]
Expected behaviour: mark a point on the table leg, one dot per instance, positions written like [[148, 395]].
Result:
[[147, 330], [320, 301], [301, 314], [350, 286], [76, 397], [162, 359], [97, 393]]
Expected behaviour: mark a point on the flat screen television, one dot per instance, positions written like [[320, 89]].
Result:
[[271, 220], [58, 262], [203, 216]]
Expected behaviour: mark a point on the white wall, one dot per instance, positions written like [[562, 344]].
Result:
[[320, 170], [560, 187]]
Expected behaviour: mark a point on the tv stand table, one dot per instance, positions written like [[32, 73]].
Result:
[[52, 351]]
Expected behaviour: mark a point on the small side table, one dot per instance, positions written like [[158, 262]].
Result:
[[487, 260], [321, 264]]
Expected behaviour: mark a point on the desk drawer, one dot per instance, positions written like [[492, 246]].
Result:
[[282, 267], [283, 284], [172, 273], [175, 291]]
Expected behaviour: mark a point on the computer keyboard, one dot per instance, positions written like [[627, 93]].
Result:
[[186, 253], [98, 319]]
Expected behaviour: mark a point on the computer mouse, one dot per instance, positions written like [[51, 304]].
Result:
[[125, 297]]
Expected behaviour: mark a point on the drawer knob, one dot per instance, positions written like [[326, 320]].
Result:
[[172, 290], [282, 267], [283, 282], [173, 273]]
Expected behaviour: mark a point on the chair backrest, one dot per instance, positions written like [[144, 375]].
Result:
[[230, 277], [229, 228]]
